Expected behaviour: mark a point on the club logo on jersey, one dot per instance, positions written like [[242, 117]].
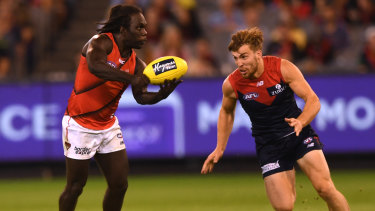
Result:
[[121, 61], [308, 140], [277, 89], [260, 83], [164, 66], [250, 96]]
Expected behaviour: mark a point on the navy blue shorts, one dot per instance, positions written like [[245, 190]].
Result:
[[281, 155]]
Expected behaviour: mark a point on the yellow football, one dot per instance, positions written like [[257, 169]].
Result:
[[165, 68]]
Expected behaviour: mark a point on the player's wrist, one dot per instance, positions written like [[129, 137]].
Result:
[[220, 150], [161, 96]]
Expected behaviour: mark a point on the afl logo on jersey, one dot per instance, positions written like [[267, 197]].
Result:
[[112, 64], [277, 89], [250, 96]]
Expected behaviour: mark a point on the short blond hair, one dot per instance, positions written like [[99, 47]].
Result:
[[252, 37]]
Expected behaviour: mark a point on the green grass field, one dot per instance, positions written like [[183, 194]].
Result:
[[219, 192]]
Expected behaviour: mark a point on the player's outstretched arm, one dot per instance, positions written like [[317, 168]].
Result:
[[224, 127], [293, 76], [140, 83]]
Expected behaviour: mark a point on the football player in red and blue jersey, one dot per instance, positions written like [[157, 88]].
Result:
[[265, 87]]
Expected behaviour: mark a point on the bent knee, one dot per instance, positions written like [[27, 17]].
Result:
[[284, 207], [326, 190], [75, 189], [120, 186]]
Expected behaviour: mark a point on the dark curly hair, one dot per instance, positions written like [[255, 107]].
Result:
[[120, 15]]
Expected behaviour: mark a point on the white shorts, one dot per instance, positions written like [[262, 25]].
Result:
[[81, 143]]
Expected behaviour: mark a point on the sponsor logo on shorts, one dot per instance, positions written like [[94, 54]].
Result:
[[310, 145], [308, 140], [119, 135], [67, 145], [82, 151], [121, 142], [164, 66], [250, 96], [270, 166]]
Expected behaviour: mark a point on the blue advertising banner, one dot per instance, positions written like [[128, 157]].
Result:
[[183, 125]]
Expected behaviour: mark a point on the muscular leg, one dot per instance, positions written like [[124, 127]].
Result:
[[76, 176], [281, 191], [115, 168], [315, 167]]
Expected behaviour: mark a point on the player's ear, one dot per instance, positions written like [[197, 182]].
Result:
[[123, 30]]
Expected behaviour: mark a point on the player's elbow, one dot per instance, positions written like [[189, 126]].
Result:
[[94, 70], [317, 101]]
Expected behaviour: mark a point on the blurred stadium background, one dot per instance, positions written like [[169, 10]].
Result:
[[331, 41]]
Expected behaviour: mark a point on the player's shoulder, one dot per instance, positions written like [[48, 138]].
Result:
[[227, 86], [101, 41], [288, 66], [271, 58], [272, 63], [289, 71]]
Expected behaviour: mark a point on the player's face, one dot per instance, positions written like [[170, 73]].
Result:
[[137, 31], [247, 61]]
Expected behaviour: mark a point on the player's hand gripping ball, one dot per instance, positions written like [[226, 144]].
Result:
[[165, 68]]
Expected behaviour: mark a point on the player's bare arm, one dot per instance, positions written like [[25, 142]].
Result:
[[293, 76], [96, 51], [224, 126], [139, 87]]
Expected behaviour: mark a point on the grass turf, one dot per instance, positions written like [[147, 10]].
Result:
[[219, 192]]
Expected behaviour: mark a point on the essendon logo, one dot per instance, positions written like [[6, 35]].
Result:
[[250, 96], [164, 66]]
